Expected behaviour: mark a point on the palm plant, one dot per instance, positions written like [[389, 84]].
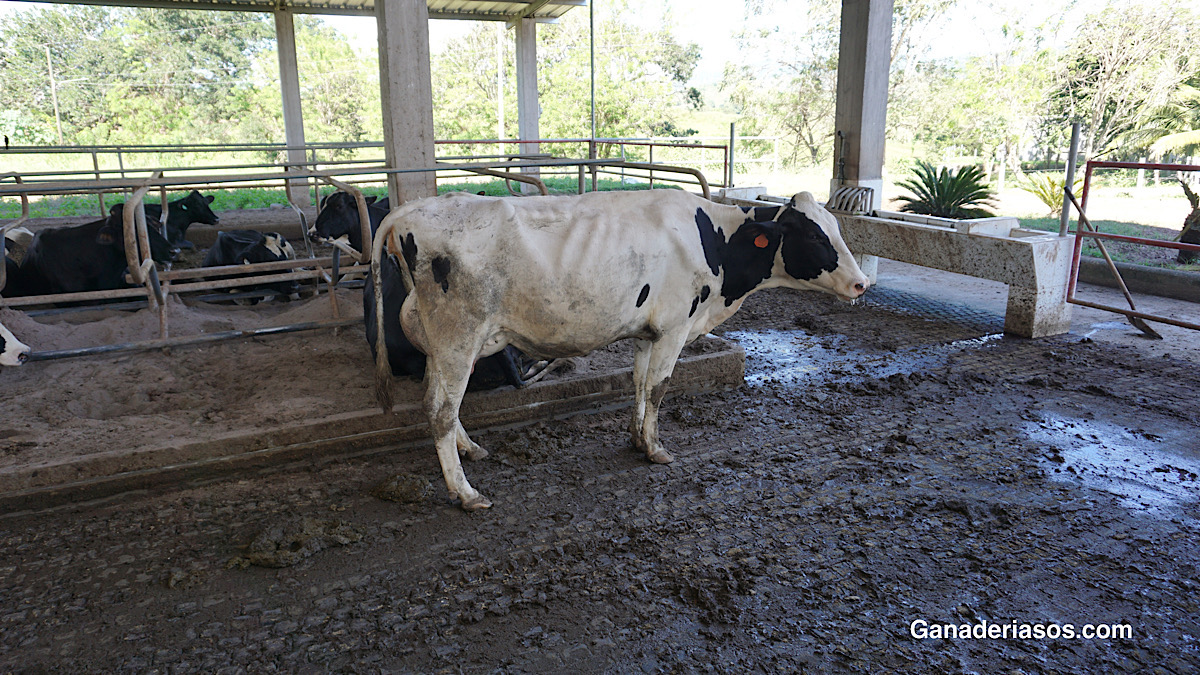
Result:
[[1048, 188], [948, 194]]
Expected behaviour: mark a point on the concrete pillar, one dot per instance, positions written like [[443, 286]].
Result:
[[406, 93], [293, 117], [528, 108], [864, 59]]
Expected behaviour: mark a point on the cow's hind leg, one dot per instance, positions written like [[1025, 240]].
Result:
[[445, 383], [641, 366], [467, 447], [660, 360]]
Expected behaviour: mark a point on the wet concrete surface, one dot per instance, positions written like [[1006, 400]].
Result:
[[891, 462]]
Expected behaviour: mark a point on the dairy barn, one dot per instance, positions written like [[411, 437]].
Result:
[[861, 440]]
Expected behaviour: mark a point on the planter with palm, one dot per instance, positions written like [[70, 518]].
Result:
[[948, 194]]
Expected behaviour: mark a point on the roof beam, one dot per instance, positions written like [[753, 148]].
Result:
[[529, 9]]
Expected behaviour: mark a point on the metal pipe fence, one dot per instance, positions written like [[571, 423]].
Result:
[[1085, 229], [155, 286]]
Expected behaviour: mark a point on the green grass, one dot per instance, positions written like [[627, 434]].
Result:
[[1139, 254]]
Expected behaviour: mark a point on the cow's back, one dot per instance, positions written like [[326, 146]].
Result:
[[568, 274]]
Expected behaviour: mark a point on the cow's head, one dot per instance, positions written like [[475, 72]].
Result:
[[195, 205], [339, 218], [812, 253], [280, 247], [12, 351]]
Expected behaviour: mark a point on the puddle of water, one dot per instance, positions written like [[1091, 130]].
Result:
[[1147, 472], [1108, 325], [796, 357]]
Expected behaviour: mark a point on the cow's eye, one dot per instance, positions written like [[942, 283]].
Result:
[[183, 206]]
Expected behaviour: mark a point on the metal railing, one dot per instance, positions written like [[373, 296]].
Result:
[[1085, 229], [156, 286]]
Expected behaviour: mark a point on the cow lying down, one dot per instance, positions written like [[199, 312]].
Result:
[[562, 276], [12, 352]]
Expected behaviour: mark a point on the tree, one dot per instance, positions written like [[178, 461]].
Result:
[[129, 75], [1124, 64], [641, 75]]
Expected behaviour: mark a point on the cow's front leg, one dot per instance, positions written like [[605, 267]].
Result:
[[660, 362], [446, 382]]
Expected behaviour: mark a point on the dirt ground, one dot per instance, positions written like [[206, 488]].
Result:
[[892, 462]]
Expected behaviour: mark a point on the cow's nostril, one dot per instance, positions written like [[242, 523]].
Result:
[[860, 287], [22, 357]]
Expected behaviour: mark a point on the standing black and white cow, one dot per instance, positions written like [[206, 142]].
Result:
[[505, 367], [562, 276], [338, 219], [246, 247], [182, 213], [12, 351], [88, 257]]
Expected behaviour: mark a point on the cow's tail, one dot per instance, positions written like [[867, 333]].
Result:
[[383, 369]]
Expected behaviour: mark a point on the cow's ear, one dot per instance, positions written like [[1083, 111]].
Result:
[[371, 200], [106, 235], [761, 234], [210, 198]]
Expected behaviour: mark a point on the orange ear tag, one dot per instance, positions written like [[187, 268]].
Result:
[[761, 241]]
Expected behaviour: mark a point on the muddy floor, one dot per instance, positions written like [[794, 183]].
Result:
[[884, 465]]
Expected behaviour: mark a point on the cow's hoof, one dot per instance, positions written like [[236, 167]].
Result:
[[660, 456], [475, 503], [474, 453]]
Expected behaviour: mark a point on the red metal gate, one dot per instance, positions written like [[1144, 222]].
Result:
[[1086, 230]]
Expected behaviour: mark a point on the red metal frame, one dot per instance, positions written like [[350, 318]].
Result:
[[1080, 233]]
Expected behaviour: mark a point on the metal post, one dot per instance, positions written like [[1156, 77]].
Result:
[[732, 137], [54, 95], [592, 47], [1065, 217], [651, 163], [99, 195]]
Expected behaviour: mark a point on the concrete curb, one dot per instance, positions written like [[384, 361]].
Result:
[[1142, 279], [352, 434]]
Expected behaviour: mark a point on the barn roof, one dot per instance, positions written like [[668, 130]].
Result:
[[475, 10]]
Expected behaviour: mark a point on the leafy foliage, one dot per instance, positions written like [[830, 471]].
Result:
[[947, 194], [1048, 188], [1123, 64]]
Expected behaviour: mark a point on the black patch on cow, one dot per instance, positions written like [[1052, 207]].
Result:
[[704, 291], [695, 304], [763, 213], [408, 248], [643, 295], [441, 271], [712, 240], [747, 263], [807, 250]]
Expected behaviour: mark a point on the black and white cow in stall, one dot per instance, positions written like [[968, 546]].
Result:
[[89, 257], [508, 366], [338, 219], [246, 247], [182, 214], [12, 351], [562, 276]]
